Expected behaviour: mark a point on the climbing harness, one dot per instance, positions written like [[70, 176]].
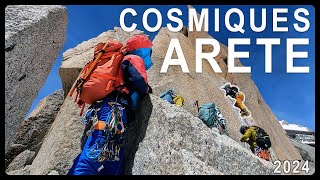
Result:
[[111, 133]]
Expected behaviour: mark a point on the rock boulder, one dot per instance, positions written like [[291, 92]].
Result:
[[166, 139], [31, 132], [34, 36]]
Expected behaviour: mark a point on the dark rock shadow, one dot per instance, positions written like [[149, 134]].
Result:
[[136, 132]]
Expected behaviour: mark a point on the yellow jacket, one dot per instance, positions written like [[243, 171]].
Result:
[[240, 96], [251, 134]]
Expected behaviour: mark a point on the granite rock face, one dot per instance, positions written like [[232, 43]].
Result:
[[56, 154], [205, 87], [32, 130], [20, 161], [24, 171], [166, 139], [62, 143], [307, 152], [34, 36]]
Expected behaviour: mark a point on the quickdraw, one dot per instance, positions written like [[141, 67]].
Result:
[[113, 134], [91, 118]]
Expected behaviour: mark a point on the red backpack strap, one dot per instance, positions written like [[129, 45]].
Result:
[[82, 105]]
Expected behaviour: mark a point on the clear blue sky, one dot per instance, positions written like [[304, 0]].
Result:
[[290, 96]]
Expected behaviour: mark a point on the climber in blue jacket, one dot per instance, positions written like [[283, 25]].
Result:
[[103, 150]]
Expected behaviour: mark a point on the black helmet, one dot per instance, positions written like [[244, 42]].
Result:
[[235, 89], [243, 129]]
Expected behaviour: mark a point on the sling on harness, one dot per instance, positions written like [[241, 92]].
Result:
[[111, 134]]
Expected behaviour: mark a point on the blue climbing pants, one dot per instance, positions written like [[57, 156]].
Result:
[[85, 166]]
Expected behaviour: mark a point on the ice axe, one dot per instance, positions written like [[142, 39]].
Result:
[[197, 105]]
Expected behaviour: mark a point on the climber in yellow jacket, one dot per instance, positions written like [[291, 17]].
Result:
[[249, 135], [233, 92], [239, 104]]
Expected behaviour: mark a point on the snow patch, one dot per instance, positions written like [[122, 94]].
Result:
[[295, 127]]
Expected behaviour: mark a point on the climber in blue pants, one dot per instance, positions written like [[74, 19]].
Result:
[[103, 150], [83, 166], [90, 166]]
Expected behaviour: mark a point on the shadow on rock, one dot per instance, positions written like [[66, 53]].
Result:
[[136, 132]]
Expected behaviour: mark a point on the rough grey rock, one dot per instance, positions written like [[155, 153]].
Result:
[[307, 152], [34, 36], [24, 171], [166, 139], [184, 31], [33, 129], [20, 161], [76, 58], [53, 172], [62, 143]]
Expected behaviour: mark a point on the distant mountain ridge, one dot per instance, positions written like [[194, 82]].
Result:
[[295, 127]]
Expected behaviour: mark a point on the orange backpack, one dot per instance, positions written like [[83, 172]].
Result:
[[101, 75]]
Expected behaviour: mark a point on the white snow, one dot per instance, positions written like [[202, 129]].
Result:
[[295, 127]]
